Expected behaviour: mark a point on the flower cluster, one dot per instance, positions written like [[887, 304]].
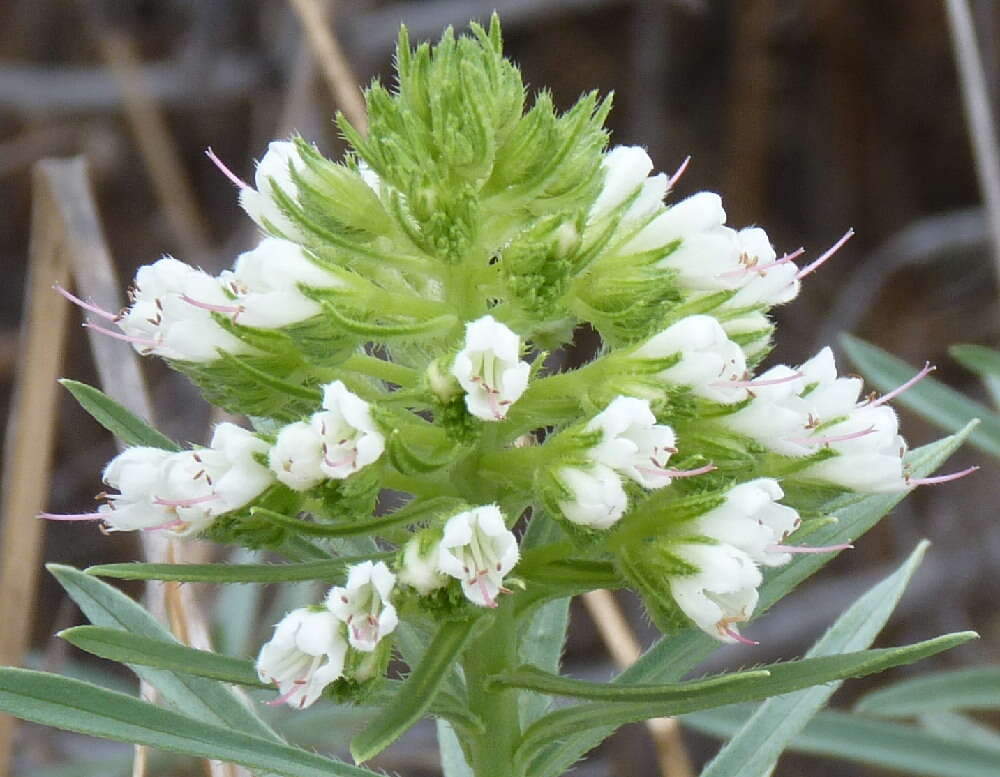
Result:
[[395, 338]]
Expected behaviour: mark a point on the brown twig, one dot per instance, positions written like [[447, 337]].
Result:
[[336, 71], [625, 651]]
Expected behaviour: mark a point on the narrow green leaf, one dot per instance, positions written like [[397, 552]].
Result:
[[674, 656], [542, 643], [976, 688], [624, 704], [206, 700], [953, 725], [122, 423], [453, 763], [757, 746], [125, 648], [930, 399], [418, 691], [576, 574], [77, 706], [330, 569], [900, 748], [414, 512], [983, 361]]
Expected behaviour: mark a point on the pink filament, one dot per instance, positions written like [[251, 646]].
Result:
[[238, 182], [688, 473], [729, 632], [237, 309], [678, 173], [940, 478], [167, 525], [829, 252], [73, 516], [197, 500], [928, 368], [808, 548], [284, 697], [832, 438], [126, 338], [90, 306], [481, 582], [756, 383], [762, 268]]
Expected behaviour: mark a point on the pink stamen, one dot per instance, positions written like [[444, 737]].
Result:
[[494, 404], [831, 438], [238, 182], [928, 368], [144, 341], [284, 697], [939, 478], [761, 269], [235, 309], [756, 382], [678, 173], [688, 473], [89, 306], [349, 460], [481, 582], [73, 516], [730, 632], [167, 525], [808, 548], [829, 252], [185, 502]]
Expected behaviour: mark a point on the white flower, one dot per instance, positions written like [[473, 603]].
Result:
[[763, 280], [265, 282], [297, 455], [137, 473], [632, 443], [869, 452], [490, 370], [274, 171], [363, 604], [722, 593], [598, 497], [241, 477], [349, 437], [684, 223], [625, 170], [711, 364], [305, 655], [171, 313], [420, 565], [478, 549], [752, 520], [777, 417], [828, 395]]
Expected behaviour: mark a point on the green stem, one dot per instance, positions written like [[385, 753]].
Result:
[[493, 651]]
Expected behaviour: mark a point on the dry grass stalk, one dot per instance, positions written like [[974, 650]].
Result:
[[625, 650]]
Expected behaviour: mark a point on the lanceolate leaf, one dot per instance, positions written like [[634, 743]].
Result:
[[942, 406], [330, 569], [900, 748], [985, 362], [624, 704], [673, 656], [755, 749], [976, 688], [206, 700], [122, 423], [77, 706], [128, 648], [417, 694]]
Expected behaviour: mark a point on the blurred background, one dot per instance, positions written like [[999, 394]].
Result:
[[808, 116]]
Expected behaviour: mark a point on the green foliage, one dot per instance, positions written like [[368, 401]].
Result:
[[122, 423]]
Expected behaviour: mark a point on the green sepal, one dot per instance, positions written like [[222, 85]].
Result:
[[243, 527], [648, 568]]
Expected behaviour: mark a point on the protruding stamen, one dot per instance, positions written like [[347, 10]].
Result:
[[234, 309], [756, 382], [73, 516], [197, 500], [144, 341], [762, 269], [831, 438], [829, 252], [731, 632], [484, 590], [678, 173], [284, 697], [89, 306], [808, 548], [238, 182], [688, 473], [939, 478], [928, 368]]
